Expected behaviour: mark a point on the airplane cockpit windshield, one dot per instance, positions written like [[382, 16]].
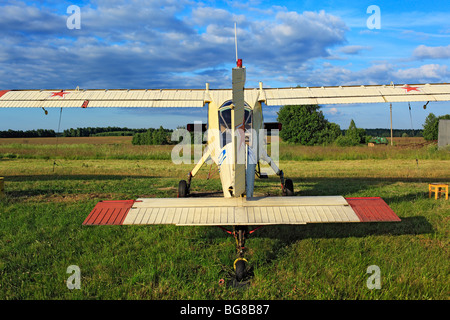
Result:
[[225, 122]]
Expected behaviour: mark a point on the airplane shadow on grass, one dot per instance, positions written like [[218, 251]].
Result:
[[289, 234], [54, 185], [348, 185], [91, 177], [302, 187]]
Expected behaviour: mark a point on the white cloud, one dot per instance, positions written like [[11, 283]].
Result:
[[423, 73], [144, 44], [376, 74], [353, 49], [425, 52], [332, 111]]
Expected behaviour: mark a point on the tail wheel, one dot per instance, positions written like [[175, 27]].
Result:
[[288, 187], [182, 189], [240, 266]]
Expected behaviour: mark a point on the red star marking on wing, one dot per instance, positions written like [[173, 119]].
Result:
[[408, 88], [60, 94]]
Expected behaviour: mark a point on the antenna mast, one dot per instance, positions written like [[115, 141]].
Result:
[[238, 61], [235, 40]]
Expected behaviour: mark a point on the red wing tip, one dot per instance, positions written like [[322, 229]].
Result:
[[2, 92], [372, 209], [110, 212]]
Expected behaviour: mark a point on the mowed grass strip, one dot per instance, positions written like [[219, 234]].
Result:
[[41, 234]]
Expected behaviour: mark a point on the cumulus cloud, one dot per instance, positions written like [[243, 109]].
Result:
[[147, 44], [295, 37], [331, 111], [425, 52], [20, 20], [353, 49], [424, 73], [376, 74], [161, 44]]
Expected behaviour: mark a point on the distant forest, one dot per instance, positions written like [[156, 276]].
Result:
[[395, 132], [78, 132], [117, 131]]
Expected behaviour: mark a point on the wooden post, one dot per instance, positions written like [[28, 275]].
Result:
[[2, 188], [392, 136]]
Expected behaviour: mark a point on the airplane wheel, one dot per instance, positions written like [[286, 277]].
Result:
[[288, 187], [240, 267], [182, 189]]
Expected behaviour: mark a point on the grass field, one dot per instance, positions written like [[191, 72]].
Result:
[[41, 232]]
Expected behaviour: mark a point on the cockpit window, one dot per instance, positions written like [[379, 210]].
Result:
[[225, 121], [248, 116]]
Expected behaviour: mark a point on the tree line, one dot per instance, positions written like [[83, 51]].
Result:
[[304, 125], [152, 136], [100, 131], [78, 132], [39, 133], [307, 125], [380, 132]]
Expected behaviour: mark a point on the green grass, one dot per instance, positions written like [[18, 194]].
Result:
[[95, 148], [41, 234]]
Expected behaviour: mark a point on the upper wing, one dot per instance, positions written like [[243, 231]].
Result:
[[101, 98], [198, 97], [355, 94]]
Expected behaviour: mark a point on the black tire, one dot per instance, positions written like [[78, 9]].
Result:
[[288, 187], [182, 189], [240, 270]]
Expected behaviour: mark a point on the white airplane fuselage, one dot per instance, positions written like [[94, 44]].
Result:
[[236, 139]]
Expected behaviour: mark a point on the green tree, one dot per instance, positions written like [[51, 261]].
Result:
[[331, 132], [159, 136], [353, 136], [306, 125], [136, 139], [152, 137], [431, 126]]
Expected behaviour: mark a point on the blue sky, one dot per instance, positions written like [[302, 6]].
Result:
[[185, 43]]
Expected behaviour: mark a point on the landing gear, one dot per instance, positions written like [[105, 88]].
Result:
[[240, 267], [287, 186], [183, 189], [240, 233]]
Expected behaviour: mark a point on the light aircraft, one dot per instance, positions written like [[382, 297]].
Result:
[[236, 146]]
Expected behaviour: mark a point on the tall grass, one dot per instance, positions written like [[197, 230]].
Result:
[[318, 153], [85, 151], [126, 151]]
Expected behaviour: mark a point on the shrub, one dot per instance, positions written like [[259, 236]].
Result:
[[306, 125]]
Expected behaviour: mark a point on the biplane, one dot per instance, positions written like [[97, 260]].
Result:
[[235, 143]]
